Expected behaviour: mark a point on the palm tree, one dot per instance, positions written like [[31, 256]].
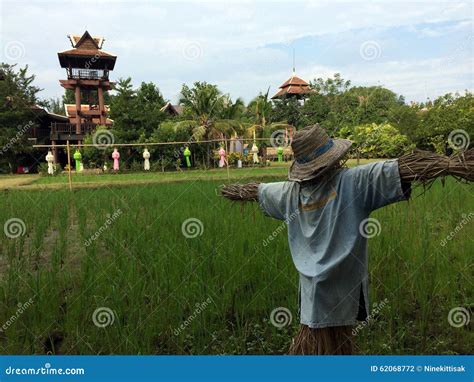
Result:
[[216, 114], [260, 109]]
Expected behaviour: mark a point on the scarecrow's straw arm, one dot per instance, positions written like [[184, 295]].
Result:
[[241, 192], [424, 166]]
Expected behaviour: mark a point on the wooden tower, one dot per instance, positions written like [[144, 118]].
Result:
[[87, 67]]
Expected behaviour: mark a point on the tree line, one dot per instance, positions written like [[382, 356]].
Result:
[[380, 122]]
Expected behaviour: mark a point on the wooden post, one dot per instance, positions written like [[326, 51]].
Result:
[[100, 95], [78, 110], [69, 165], [226, 160]]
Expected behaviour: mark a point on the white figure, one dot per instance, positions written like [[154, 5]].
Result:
[[81, 167], [146, 157], [50, 160], [255, 153]]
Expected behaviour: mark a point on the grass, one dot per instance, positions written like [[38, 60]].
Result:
[[213, 294], [90, 179]]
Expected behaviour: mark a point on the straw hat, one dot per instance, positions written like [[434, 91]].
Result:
[[315, 153]]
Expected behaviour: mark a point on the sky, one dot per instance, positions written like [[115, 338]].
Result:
[[419, 49]]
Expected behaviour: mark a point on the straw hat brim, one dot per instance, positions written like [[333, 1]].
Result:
[[300, 172]]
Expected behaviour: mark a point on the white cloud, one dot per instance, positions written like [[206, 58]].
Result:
[[150, 39]]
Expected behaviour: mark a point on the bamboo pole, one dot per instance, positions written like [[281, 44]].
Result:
[[69, 165], [146, 144]]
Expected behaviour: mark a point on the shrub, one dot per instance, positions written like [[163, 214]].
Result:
[[377, 141]]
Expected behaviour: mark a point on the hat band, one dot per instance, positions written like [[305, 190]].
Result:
[[316, 153]]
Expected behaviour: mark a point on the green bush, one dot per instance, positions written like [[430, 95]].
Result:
[[377, 141]]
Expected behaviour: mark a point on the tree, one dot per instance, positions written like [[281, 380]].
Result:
[[17, 95], [205, 104], [136, 112], [56, 106], [330, 86], [448, 113], [288, 110], [204, 101], [230, 109]]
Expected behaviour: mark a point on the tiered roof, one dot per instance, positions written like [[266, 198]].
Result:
[[293, 87], [86, 53]]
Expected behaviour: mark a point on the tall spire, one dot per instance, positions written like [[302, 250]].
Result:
[[294, 70]]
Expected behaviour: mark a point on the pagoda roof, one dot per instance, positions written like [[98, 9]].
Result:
[[172, 109], [294, 80], [294, 86], [86, 52], [78, 39]]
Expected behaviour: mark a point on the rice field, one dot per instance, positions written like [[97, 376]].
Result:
[[124, 270]]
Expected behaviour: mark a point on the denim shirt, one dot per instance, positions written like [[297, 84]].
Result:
[[327, 233]]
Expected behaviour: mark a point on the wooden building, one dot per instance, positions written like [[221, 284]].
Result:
[[87, 66], [293, 87]]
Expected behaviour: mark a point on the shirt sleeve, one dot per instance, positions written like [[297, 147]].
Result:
[[272, 198], [378, 184]]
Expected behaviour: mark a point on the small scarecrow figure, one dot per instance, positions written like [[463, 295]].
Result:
[[50, 160], [222, 160], [280, 153], [116, 157], [77, 157], [187, 155], [146, 162], [325, 207]]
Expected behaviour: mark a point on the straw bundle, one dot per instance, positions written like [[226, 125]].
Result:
[[425, 166], [240, 192], [335, 340]]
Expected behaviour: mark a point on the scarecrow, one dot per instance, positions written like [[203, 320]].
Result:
[[325, 207]]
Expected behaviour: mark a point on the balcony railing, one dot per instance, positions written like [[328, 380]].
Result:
[[70, 129], [88, 74]]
